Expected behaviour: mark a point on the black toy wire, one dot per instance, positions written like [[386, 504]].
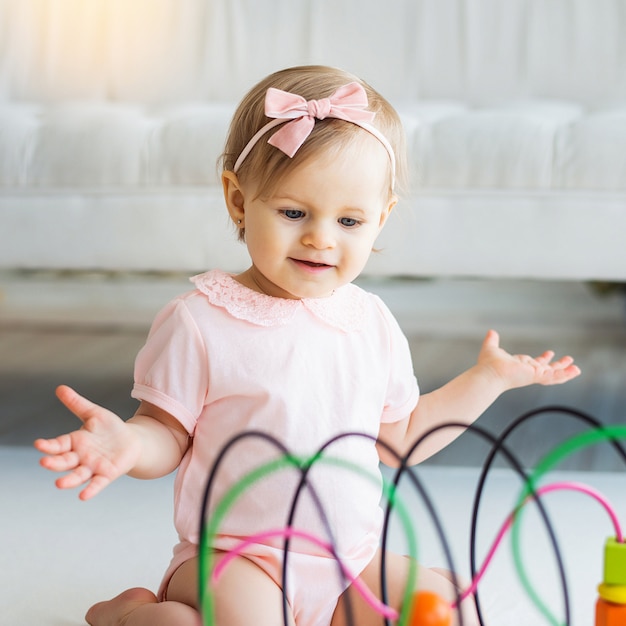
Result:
[[209, 489], [435, 519], [304, 482], [430, 507], [320, 509], [405, 468], [499, 447]]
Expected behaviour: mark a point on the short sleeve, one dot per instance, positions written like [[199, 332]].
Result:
[[171, 370], [402, 387]]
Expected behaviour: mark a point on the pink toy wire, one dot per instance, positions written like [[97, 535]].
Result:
[[357, 583], [559, 486], [366, 593]]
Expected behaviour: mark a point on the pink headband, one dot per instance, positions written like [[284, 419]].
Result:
[[348, 103]]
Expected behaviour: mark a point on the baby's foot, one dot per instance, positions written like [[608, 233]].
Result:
[[115, 612]]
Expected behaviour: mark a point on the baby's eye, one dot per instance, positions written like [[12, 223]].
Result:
[[293, 214], [349, 222]]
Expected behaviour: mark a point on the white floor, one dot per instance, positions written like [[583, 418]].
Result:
[[60, 555]]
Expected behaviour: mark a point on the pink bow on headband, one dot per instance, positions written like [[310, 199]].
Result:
[[348, 103]]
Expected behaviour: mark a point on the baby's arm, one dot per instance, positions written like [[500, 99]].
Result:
[[150, 444], [467, 396]]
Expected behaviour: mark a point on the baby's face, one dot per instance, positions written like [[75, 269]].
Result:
[[316, 231]]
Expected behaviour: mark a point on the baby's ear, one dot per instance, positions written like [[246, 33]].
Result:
[[393, 200], [233, 196]]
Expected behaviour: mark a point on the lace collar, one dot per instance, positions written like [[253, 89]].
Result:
[[345, 309]]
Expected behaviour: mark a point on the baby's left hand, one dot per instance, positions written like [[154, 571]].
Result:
[[519, 370]]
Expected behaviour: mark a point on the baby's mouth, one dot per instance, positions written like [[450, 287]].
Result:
[[312, 264]]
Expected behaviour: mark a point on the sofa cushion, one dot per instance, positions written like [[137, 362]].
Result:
[[536, 145], [591, 152], [510, 146], [110, 145]]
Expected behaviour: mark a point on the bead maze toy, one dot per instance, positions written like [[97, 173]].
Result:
[[421, 607]]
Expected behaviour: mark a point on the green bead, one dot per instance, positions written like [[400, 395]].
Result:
[[614, 562]]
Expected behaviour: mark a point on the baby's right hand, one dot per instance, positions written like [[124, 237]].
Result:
[[104, 449]]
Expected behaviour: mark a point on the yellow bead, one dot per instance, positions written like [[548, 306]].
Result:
[[613, 593]]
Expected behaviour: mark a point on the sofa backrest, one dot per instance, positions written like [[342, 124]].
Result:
[[159, 51]]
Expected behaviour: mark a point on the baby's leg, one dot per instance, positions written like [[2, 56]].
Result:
[[397, 574], [244, 594]]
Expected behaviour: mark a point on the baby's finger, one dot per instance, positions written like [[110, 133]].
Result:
[[546, 357], [58, 445], [564, 362], [96, 485], [561, 364], [491, 340], [77, 404], [79, 476], [560, 374], [60, 462]]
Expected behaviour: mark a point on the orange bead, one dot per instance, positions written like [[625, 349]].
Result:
[[609, 614], [430, 609]]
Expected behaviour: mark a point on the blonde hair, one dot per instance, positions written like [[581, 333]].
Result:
[[266, 165]]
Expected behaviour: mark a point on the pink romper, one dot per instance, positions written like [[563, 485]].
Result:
[[223, 360]]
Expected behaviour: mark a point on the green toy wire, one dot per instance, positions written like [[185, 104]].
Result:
[[205, 556], [529, 491], [549, 461]]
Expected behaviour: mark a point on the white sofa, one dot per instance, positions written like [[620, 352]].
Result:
[[113, 113]]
